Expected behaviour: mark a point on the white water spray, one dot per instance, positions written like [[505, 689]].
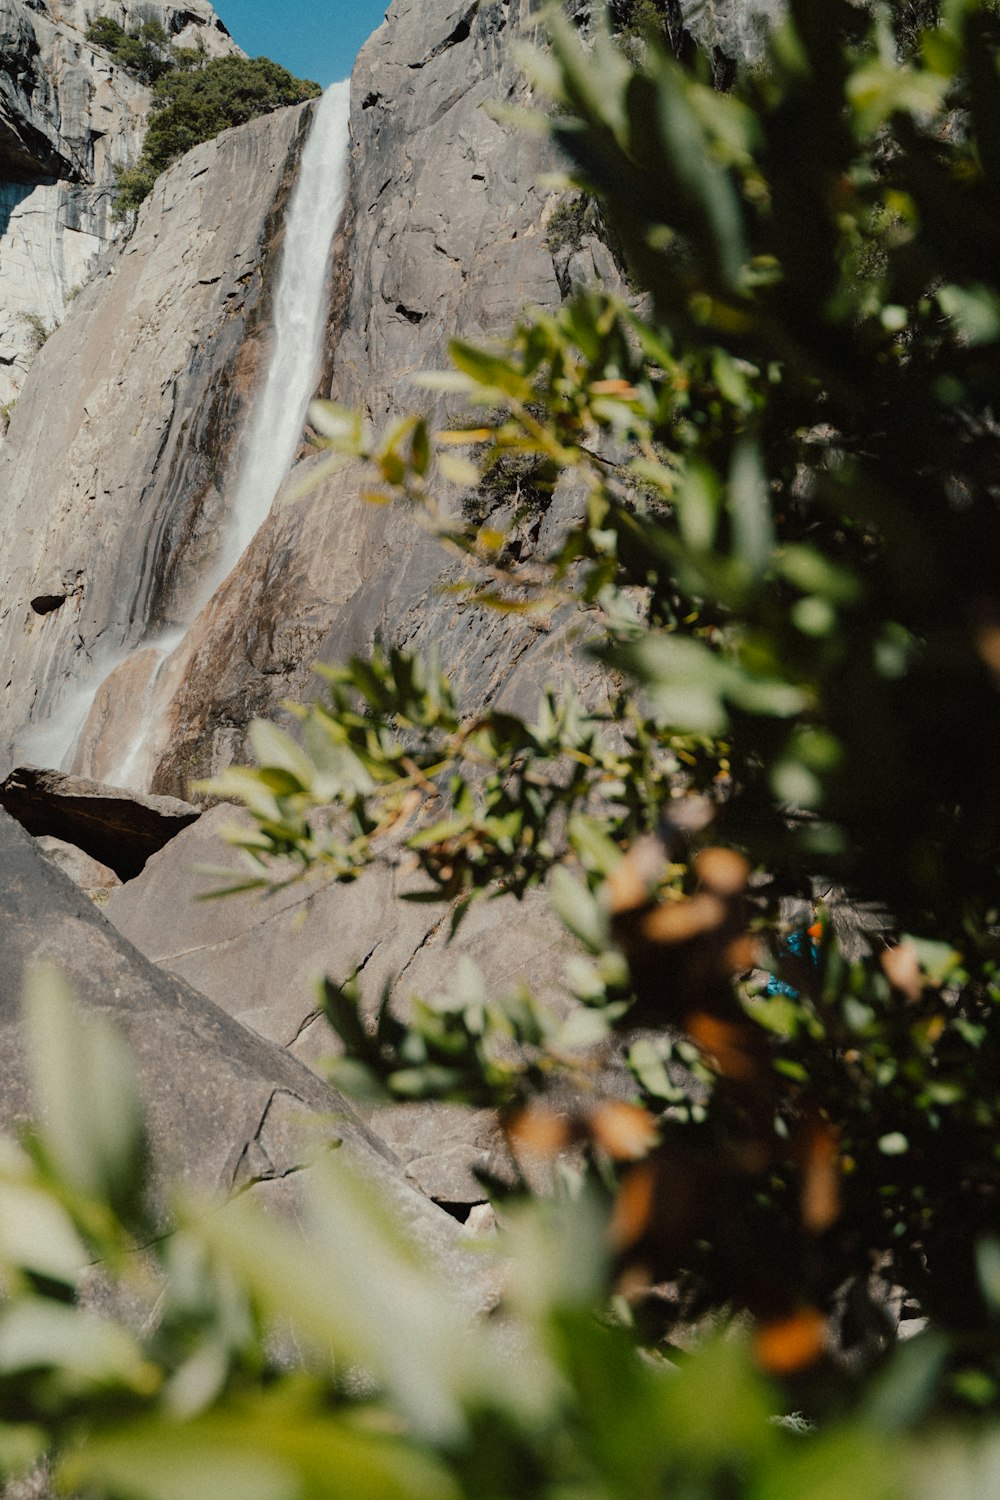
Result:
[[270, 439], [279, 413]]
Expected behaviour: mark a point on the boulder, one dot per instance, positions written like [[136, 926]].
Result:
[[225, 1108], [95, 880], [117, 828], [259, 956]]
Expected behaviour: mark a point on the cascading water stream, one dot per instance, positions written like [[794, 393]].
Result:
[[271, 436], [275, 427]]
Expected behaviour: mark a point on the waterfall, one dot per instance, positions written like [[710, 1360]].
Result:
[[265, 454], [275, 426]]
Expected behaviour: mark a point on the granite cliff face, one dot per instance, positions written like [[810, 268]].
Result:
[[68, 119], [445, 232], [117, 477], [130, 417]]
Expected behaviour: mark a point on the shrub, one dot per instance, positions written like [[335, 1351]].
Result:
[[193, 101], [190, 107], [39, 332], [789, 465], [146, 53]]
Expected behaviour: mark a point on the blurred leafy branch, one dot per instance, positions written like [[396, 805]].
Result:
[[777, 478], [776, 483], [176, 1380]]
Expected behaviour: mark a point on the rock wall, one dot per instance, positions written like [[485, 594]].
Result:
[[127, 424], [113, 491], [446, 234], [69, 119]]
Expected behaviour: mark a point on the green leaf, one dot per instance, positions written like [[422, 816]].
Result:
[[750, 507], [273, 747], [975, 311], [258, 1450], [988, 1268], [438, 833], [78, 1346], [939, 961], [810, 571], [92, 1126], [684, 678], [596, 849], [490, 370], [578, 909], [358, 1288], [36, 1232], [646, 1062]]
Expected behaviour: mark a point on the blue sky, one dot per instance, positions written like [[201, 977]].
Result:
[[312, 38]]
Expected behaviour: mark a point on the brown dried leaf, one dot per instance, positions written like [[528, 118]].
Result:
[[539, 1132], [743, 953], [629, 884], [681, 921], [789, 1344], [723, 872], [902, 969], [633, 1210], [625, 1131], [728, 1046], [820, 1196]]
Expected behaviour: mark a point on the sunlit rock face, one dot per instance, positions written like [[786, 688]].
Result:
[[69, 121], [732, 30], [120, 445], [117, 479], [445, 232]]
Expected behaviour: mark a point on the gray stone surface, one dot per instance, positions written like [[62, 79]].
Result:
[[114, 482], [69, 119], [737, 28], [445, 234], [442, 1147], [260, 957], [118, 828], [119, 449], [225, 1107], [96, 880]]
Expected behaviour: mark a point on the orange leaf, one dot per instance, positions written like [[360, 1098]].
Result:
[[539, 1131], [681, 921], [789, 1344], [902, 969], [625, 1131], [613, 388], [629, 883], [820, 1199], [633, 1210], [743, 953], [725, 1045], [722, 871]]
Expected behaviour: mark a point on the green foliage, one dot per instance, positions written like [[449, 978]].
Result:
[[194, 100], [788, 558], [397, 1397], [146, 53], [133, 186], [39, 332], [571, 219], [785, 552], [193, 107]]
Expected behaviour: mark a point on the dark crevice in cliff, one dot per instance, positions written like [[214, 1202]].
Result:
[[44, 604]]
